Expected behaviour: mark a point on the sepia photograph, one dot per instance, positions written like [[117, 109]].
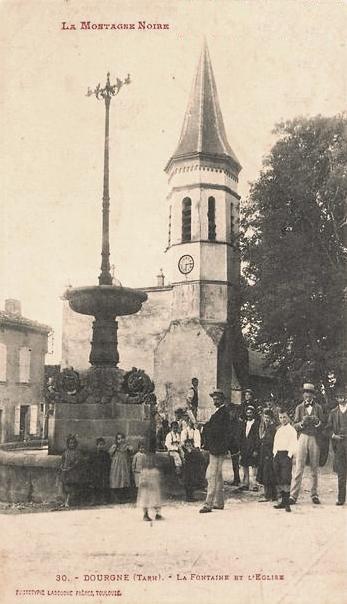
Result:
[[173, 244]]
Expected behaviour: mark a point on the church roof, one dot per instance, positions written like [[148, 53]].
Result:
[[203, 129]]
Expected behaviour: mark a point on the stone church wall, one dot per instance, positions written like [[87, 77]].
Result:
[[138, 334], [186, 351]]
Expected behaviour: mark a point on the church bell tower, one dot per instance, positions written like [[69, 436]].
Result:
[[203, 207], [204, 338]]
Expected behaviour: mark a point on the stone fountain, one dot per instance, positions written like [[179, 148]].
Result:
[[104, 399]]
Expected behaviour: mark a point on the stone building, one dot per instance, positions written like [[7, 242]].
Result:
[[191, 327], [23, 346]]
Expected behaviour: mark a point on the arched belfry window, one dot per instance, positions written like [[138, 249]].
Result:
[[231, 222], [186, 219], [211, 215]]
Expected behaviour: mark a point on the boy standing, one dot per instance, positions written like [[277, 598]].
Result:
[[100, 464], [249, 449], [285, 444]]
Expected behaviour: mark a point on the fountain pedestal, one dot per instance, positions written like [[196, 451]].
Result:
[[101, 402], [104, 399]]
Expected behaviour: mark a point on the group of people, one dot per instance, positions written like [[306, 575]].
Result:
[[266, 446], [109, 474], [271, 450], [183, 443]]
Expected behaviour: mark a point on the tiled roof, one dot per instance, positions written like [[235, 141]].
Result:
[[12, 320]]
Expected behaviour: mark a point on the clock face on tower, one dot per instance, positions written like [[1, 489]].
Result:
[[185, 264]]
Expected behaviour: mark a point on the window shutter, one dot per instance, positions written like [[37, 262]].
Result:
[[33, 419], [3, 362], [24, 364], [17, 420]]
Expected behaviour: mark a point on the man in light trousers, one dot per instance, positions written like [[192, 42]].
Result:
[[308, 423], [216, 435]]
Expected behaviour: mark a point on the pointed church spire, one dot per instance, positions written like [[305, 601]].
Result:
[[203, 133]]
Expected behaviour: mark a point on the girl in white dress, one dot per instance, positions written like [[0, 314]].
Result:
[[149, 495]]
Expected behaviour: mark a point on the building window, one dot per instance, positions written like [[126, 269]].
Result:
[[169, 235], [211, 215], [186, 219], [24, 364], [3, 362], [231, 222]]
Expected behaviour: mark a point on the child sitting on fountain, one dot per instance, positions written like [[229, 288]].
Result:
[[149, 488]]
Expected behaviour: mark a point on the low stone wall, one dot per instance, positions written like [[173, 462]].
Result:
[[31, 476], [28, 476], [24, 444]]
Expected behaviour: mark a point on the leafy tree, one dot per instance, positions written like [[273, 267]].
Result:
[[294, 253]]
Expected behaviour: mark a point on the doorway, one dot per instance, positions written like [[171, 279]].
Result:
[[24, 422]]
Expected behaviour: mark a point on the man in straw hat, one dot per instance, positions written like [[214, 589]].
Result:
[[308, 422], [216, 434], [337, 430]]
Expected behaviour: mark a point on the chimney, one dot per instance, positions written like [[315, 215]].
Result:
[[160, 279], [13, 307]]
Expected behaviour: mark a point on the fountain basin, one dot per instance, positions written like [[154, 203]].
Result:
[[105, 301], [31, 476]]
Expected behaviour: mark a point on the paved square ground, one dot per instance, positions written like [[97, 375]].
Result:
[[180, 554]]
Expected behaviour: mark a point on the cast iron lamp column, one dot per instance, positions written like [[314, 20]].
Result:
[[104, 350], [105, 301], [106, 93]]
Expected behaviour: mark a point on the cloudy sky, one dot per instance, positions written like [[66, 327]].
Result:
[[272, 60]]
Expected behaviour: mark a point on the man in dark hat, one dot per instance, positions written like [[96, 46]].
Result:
[[337, 430], [308, 422], [237, 414], [217, 441]]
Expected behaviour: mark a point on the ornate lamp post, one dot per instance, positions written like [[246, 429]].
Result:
[[105, 301], [106, 93]]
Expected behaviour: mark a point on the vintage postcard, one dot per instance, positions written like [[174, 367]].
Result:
[[173, 301]]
